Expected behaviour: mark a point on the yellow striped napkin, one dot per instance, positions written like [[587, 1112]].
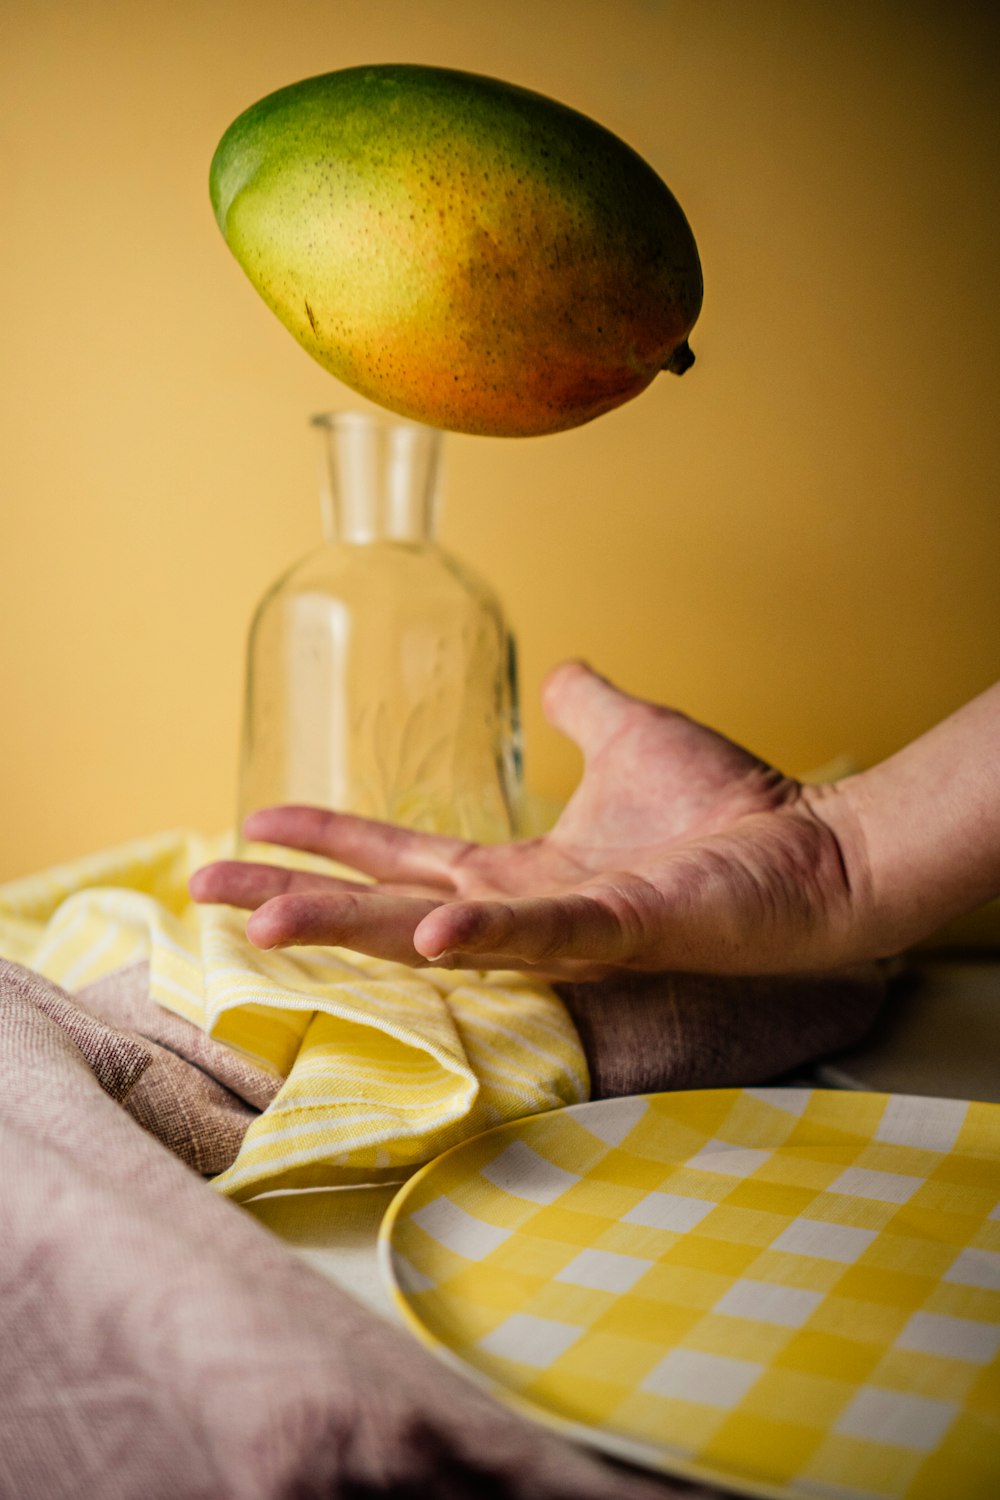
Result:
[[384, 1066]]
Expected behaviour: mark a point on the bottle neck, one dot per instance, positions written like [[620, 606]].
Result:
[[379, 478]]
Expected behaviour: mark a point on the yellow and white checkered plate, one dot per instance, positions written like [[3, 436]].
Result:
[[791, 1292]]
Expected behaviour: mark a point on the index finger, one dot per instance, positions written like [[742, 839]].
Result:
[[383, 850]]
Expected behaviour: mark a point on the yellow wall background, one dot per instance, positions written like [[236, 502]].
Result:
[[799, 542]]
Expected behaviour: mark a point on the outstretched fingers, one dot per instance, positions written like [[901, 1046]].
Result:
[[383, 850], [379, 925], [234, 882], [571, 937], [543, 931]]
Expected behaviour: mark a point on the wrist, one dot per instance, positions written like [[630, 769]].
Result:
[[920, 832], [860, 931]]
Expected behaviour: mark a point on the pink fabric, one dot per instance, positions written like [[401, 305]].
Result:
[[646, 1032], [696, 1031], [122, 999], [156, 1341], [197, 1096], [116, 1061]]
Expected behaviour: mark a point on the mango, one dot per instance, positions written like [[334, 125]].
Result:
[[460, 250]]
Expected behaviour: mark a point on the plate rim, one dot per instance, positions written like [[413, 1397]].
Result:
[[648, 1457]]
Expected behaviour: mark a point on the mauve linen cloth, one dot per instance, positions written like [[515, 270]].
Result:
[[156, 1341], [648, 1032]]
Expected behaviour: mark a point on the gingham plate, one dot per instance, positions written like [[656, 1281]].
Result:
[[793, 1292]]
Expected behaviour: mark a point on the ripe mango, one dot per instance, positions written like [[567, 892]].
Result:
[[460, 250]]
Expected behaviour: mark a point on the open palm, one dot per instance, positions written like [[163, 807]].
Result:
[[678, 851]]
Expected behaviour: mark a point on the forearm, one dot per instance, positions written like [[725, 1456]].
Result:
[[920, 832]]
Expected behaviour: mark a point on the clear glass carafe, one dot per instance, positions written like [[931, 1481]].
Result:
[[381, 674]]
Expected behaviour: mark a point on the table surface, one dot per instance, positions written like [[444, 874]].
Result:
[[938, 1034]]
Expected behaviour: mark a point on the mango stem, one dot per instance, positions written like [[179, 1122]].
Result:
[[682, 359]]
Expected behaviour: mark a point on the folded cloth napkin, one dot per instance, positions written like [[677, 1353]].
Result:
[[159, 1342], [640, 1034], [383, 1067], [390, 1066]]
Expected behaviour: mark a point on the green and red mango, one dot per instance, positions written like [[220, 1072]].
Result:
[[462, 251]]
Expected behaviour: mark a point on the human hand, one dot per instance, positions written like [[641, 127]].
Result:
[[678, 851]]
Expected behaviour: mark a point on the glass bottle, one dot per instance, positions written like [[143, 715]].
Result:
[[381, 675]]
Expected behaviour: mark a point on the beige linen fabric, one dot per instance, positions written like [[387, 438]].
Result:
[[156, 1341], [648, 1032], [197, 1096], [123, 1000], [640, 1034]]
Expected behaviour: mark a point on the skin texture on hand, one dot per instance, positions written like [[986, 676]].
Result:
[[678, 851], [929, 820]]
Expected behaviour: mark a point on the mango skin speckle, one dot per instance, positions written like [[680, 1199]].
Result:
[[460, 250]]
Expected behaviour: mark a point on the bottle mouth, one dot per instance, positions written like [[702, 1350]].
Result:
[[379, 476], [358, 421]]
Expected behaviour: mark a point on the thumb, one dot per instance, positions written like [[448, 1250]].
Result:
[[584, 705]]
